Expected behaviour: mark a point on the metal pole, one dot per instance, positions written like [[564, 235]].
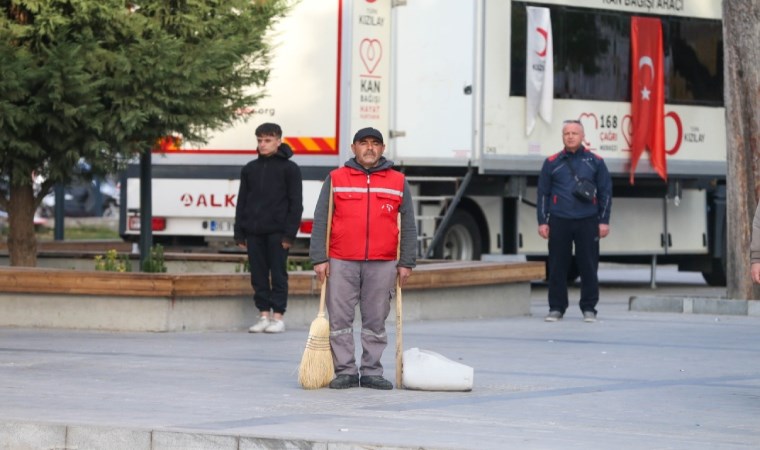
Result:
[[146, 208], [59, 212]]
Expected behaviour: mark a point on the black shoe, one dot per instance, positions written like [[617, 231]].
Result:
[[376, 382], [345, 382]]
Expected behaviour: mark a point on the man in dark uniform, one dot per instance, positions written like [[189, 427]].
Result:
[[565, 217]]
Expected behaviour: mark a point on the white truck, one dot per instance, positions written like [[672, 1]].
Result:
[[445, 81]]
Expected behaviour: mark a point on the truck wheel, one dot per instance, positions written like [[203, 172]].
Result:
[[461, 240], [110, 209], [716, 276], [572, 272]]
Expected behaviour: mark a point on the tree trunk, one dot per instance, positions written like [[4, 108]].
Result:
[[741, 34], [22, 242]]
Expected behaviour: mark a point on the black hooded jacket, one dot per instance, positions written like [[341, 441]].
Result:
[[270, 198]]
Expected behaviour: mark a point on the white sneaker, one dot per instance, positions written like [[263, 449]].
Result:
[[275, 326], [260, 326]]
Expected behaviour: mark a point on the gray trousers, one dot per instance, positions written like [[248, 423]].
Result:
[[371, 285]]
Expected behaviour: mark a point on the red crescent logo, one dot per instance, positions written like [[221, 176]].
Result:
[[545, 35], [186, 199], [679, 128]]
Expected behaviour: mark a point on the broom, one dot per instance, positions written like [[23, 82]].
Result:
[[399, 335], [399, 340], [316, 369]]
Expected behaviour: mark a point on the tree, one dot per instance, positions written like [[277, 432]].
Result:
[[102, 80], [741, 34]]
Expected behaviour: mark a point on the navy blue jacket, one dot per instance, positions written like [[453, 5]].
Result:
[[556, 183], [270, 198]]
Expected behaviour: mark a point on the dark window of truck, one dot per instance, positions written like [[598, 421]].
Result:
[[592, 51]]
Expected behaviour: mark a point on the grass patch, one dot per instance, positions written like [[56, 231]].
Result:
[[79, 233]]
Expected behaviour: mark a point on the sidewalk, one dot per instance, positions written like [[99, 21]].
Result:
[[633, 380]]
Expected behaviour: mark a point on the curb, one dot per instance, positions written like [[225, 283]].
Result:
[[695, 305]]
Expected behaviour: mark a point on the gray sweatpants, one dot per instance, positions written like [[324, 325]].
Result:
[[371, 285]]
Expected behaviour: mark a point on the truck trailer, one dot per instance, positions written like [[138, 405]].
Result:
[[445, 81]]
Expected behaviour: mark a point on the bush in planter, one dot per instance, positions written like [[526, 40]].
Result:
[[155, 263]]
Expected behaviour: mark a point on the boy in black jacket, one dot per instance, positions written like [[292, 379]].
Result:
[[267, 217]]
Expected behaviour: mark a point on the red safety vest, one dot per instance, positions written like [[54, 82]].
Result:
[[364, 224]]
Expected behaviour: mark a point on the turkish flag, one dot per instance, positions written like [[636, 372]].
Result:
[[647, 94]]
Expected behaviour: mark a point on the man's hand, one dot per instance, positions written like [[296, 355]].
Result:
[[403, 274], [604, 230], [755, 270], [285, 245], [242, 245], [543, 231], [322, 270]]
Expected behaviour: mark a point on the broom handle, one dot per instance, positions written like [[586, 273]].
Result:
[[327, 251], [399, 337], [322, 299], [399, 334]]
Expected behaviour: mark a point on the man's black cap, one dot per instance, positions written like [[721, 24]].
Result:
[[368, 132]]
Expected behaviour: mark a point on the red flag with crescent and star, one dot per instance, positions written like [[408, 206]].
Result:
[[647, 94]]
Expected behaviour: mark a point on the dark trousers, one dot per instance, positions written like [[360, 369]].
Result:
[[563, 233], [267, 258]]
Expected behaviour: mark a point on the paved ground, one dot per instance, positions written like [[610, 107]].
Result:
[[630, 381]]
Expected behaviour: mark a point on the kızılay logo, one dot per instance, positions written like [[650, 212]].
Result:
[[208, 200]]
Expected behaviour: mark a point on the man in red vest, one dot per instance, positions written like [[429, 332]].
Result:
[[368, 251]]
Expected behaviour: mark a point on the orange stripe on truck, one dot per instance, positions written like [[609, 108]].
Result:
[[312, 145]]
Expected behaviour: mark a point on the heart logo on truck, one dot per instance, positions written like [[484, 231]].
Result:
[[370, 51], [626, 126]]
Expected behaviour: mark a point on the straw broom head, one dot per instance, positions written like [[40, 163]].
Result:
[[317, 370]]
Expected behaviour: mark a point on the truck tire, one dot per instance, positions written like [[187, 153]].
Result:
[[461, 240], [572, 272], [717, 275], [110, 208]]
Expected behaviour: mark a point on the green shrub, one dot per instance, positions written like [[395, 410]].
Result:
[[245, 266], [155, 262], [293, 264]]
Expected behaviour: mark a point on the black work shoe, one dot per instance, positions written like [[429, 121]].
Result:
[[376, 382], [344, 382]]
